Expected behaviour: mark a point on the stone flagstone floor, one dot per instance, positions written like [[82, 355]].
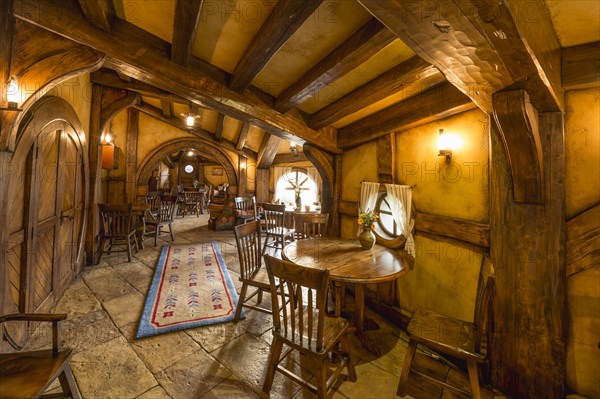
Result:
[[221, 361]]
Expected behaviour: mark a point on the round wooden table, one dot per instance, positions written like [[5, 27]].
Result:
[[347, 262]]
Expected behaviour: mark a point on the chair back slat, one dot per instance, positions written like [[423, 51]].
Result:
[[310, 225], [116, 218], [307, 289], [167, 208], [247, 238], [153, 199], [274, 216]]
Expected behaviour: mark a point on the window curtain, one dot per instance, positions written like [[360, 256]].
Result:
[[400, 200], [368, 196]]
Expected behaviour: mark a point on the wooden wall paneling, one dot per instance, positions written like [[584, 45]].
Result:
[[581, 66], [528, 348], [133, 120], [262, 185], [386, 158], [583, 241]]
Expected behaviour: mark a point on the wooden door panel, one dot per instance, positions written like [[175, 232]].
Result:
[[46, 176], [16, 204], [14, 272], [41, 280]]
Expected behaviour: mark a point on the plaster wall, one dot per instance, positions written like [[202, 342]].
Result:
[[78, 92], [582, 184]]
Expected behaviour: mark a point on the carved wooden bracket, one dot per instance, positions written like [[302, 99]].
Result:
[[517, 120], [116, 101]]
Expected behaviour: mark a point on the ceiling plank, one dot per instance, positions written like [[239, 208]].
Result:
[[100, 13], [198, 132], [581, 66], [185, 24], [439, 102], [413, 71], [268, 150], [358, 48], [219, 129], [107, 78], [241, 142], [284, 20], [167, 108], [485, 47], [134, 52]]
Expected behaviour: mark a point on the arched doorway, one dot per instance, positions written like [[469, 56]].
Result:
[[45, 215]]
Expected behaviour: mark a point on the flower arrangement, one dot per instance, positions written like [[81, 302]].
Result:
[[367, 218]]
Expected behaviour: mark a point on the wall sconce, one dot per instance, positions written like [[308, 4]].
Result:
[[109, 152], [447, 143], [293, 148], [13, 95]]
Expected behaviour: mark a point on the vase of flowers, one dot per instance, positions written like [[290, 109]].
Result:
[[365, 223]]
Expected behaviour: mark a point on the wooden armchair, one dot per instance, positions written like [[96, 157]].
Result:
[[311, 225], [457, 338], [275, 227], [29, 374], [301, 324], [247, 238], [117, 229]]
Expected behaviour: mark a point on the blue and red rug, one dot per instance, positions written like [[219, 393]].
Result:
[[191, 288]]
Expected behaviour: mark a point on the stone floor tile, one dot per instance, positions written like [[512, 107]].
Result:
[[108, 285], [393, 359], [216, 335], [155, 393], [111, 370], [231, 388], [149, 256], [192, 376], [162, 351], [136, 273], [88, 331], [257, 323], [372, 382], [125, 309], [77, 301]]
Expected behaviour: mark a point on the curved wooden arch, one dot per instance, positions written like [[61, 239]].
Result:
[[324, 164], [202, 147]]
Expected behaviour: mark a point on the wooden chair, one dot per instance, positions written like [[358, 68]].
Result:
[[302, 325], [153, 199], [166, 213], [454, 337], [275, 227], [247, 238], [117, 229], [29, 374], [311, 225], [193, 201], [245, 209]]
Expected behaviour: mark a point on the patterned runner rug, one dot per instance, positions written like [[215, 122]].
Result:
[[191, 288]]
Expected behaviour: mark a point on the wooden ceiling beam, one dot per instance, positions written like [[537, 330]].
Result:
[[185, 24], [219, 129], [482, 46], [439, 102], [241, 142], [362, 45], [289, 158], [7, 23], [198, 132], [142, 56], [284, 20], [99, 13], [167, 108], [268, 150], [581, 66], [414, 71], [107, 78]]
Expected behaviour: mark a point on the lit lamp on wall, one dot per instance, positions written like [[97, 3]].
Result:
[[447, 143], [13, 95], [293, 148], [109, 152]]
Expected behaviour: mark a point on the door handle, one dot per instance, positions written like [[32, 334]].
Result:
[[66, 217]]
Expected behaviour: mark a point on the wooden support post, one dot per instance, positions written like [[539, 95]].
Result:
[[337, 196], [133, 119], [243, 175], [262, 185], [93, 226], [528, 251]]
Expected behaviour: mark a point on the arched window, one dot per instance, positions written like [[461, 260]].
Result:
[[386, 222], [293, 182]]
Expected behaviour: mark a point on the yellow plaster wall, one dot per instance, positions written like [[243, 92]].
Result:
[[78, 92], [582, 150], [153, 133]]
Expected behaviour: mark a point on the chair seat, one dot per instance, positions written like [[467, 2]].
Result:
[[280, 231], [444, 333], [260, 279], [26, 375]]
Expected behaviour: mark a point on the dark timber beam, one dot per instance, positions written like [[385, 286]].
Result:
[[219, 129], [497, 44], [241, 142], [167, 108], [268, 150], [144, 57], [7, 23], [415, 72], [284, 20], [289, 158], [100, 13], [439, 102], [361, 46], [198, 132], [581, 66], [185, 24]]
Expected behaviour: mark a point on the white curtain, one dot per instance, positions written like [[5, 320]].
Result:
[[400, 200], [368, 196]]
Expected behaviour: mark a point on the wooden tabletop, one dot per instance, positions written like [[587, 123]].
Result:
[[347, 261]]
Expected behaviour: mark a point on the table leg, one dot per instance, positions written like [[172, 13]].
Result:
[[359, 320]]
